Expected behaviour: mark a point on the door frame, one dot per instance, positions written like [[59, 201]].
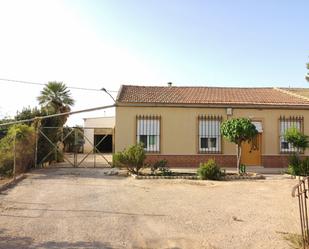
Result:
[[261, 120]]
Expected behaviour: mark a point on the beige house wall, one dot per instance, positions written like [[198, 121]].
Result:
[[179, 127]]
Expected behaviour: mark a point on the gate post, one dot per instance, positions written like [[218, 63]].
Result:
[[301, 192]]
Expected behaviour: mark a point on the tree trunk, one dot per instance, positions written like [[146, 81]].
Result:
[[238, 157]]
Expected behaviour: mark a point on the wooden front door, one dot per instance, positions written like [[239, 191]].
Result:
[[251, 151]]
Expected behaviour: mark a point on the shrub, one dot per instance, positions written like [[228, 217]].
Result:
[[298, 167], [162, 167], [242, 169], [24, 149], [209, 171], [131, 158], [294, 167], [305, 167], [296, 138]]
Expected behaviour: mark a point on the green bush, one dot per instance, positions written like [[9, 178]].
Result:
[[6, 164], [242, 169], [209, 171], [131, 158], [296, 138], [24, 149], [294, 167], [305, 167], [298, 167], [162, 167]]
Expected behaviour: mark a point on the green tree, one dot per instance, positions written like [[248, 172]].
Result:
[[238, 130], [28, 113], [4, 129]]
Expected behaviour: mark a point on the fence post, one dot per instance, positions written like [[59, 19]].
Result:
[[36, 148], [14, 165]]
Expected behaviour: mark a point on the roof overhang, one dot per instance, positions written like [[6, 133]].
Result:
[[225, 105]]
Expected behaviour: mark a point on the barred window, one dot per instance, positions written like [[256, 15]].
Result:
[[209, 134], [148, 132], [286, 123]]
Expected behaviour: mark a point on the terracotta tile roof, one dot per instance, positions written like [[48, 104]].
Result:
[[209, 96], [304, 92]]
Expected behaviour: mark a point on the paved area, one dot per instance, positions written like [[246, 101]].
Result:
[[85, 208], [98, 160]]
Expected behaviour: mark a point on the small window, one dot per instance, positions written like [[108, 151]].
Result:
[[143, 140], [285, 124], [209, 134], [204, 142], [148, 132]]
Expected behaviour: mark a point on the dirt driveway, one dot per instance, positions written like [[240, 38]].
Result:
[[83, 208]]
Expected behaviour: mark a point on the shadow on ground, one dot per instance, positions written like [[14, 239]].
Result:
[[23, 242], [61, 173]]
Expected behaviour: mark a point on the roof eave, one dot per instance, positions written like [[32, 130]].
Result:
[[215, 105]]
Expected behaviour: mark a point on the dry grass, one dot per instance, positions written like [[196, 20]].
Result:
[[294, 240]]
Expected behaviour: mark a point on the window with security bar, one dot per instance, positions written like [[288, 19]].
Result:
[[209, 134], [286, 123], [148, 132]]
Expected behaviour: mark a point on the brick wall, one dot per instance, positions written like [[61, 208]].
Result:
[[192, 161], [276, 161]]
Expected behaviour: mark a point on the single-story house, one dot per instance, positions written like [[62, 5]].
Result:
[[182, 124], [99, 132]]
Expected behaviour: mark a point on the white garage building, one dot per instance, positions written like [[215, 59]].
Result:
[[99, 132]]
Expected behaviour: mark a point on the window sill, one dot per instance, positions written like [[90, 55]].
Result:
[[210, 152], [152, 152]]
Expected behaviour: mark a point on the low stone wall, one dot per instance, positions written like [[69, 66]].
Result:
[[225, 178]]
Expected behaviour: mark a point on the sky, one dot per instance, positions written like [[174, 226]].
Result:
[[107, 43]]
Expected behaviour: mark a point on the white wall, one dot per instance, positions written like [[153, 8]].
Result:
[[100, 122]]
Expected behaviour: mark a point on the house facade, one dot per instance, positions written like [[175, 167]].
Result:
[[182, 124]]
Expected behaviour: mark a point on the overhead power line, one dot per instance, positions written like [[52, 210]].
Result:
[[57, 115], [43, 84]]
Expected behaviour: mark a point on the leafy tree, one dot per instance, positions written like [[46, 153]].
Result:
[[4, 129], [28, 113], [238, 130]]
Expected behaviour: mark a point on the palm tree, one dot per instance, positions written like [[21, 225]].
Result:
[[56, 96]]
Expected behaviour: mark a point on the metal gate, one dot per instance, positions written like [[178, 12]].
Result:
[[65, 147], [301, 191]]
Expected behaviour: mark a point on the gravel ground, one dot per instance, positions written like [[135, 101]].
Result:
[[83, 208]]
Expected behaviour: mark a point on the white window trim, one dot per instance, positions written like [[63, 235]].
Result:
[[202, 123], [149, 126], [288, 124]]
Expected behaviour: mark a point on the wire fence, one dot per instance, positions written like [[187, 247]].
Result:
[[23, 147]]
